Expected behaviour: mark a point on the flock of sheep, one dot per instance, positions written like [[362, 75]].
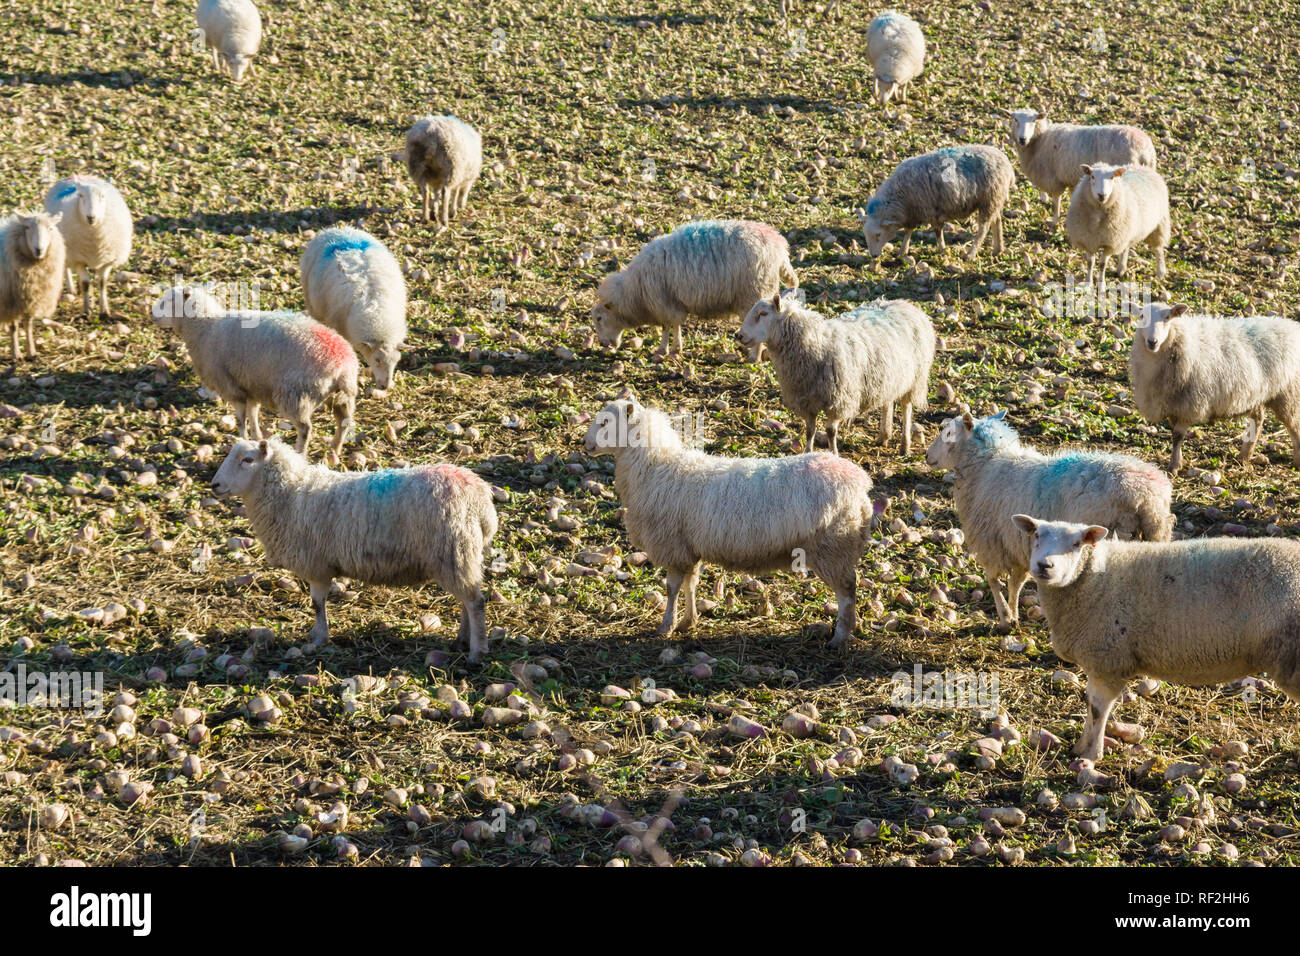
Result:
[[1119, 608]]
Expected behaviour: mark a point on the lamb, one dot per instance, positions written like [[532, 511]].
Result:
[[1051, 153], [281, 359], [398, 526], [444, 154], [232, 30], [352, 283], [707, 268], [1115, 208], [682, 507], [32, 257], [97, 231], [995, 475], [896, 49], [1198, 612], [946, 185], [877, 354], [1192, 369]]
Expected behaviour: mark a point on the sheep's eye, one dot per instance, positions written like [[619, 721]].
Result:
[[248, 461]]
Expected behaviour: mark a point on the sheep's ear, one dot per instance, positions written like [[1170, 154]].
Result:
[[264, 449], [1086, 169], [1118, 172], [776, 302], [999, 415], [1093, 534], [1005, 112], [1027, 524], [967, 421], [1177, 310]]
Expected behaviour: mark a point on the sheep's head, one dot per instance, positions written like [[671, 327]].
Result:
[[945, 452], [1155, 324], [885, 88], [246, 458], [183, 301], [1101, 180], [40, 233], [92, 203], [382, 360], [1025, 125], [1056, 548], [616, 426], [758, 321], [877, 231], [609, 324], [240, 64]]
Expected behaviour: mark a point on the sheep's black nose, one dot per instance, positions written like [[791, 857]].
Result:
[[1042, 568]]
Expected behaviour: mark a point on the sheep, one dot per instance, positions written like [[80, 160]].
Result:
[[32, 258], [352, 283], [444, 154], [869, 358], [1192, 369], [946, 185], [97, 231], [896, 50], [1198, 612], [281, 359], [707, 268], [397, 526], [682, 507], [1051, 153], [232, 30], [995, 475], [1115, 208]]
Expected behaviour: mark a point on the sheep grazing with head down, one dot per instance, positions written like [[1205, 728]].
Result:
[[283, 360], [994, 475], [352, 283], [97, 230], [707, 268], [399, 526], [232, 30], [867, 359], [1198, 612], [1114, 209], [31, 274], [1191, 369], [444, 155], [896, 51], [1051, 153], [683, 507], [947, 185]]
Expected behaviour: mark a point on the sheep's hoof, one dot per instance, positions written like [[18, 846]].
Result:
[[1003, 627]]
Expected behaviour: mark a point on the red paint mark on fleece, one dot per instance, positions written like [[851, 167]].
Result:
[[461, 477], [334, 347], [768, 233], [1150, 474], [835, 468]]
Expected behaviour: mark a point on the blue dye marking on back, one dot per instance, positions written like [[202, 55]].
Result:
[[346, 242], [873, 207], [703, 231], [65, 191], [383, 484]]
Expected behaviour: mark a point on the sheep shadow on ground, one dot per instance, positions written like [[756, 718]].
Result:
[[747, 104], [289, 220], [96, 79]]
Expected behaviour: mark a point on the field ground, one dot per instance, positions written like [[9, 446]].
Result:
[[605, 123]]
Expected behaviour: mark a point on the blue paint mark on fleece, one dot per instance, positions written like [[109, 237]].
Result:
[[65, 191], [867, 312], [384, 484], [994, 433], [702, 232], [346, 241], [967, 159], [873, 207]]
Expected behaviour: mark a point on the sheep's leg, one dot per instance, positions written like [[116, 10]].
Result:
[[1254, 428], [241, 417], [938, 235], [833, 436], [1176, 455], [13, 342], [1056, 212], [887, 422], [689, 582], [254, 421], [979, 239], [1092, 262], [320, 632], [665, 343], [670, 612], [343, 412], [907, 427], [997, 234], [842, 577], [1121, 265], [1103, 692], [478, 644], [1015, 583], [444, 200], [907, 242], [1000, 602], [85, 290], [765, 602], [104, 274], [425, 190], [463, 631], [304, 435], [72, 283], [809, 433], [1160, 263], [1101, 271], [31, 335], [846, 615]]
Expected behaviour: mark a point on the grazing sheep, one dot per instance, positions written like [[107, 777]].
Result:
[[352, 283], [398, 526], [708, 268], [444, 154], [946, 185], [1115, 208], [1051, 153], [683, 507], [877, 354], [31, 273], [995, 475], [1198, 612], [232, 30], [97, 230], [281, 359], [896, 51], [1192, 369]]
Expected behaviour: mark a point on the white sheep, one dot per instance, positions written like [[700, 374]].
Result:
[[284, 360], [683, 507], [867, 359], [97, 231], [896, 51], [232, 30], [707, 268], [32, 257], [947, 185], [1115, 208], [1198, 612], [444, 155], [995, 475], [398, 526], [352, 283], [1191, 369], [1051, 153]]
